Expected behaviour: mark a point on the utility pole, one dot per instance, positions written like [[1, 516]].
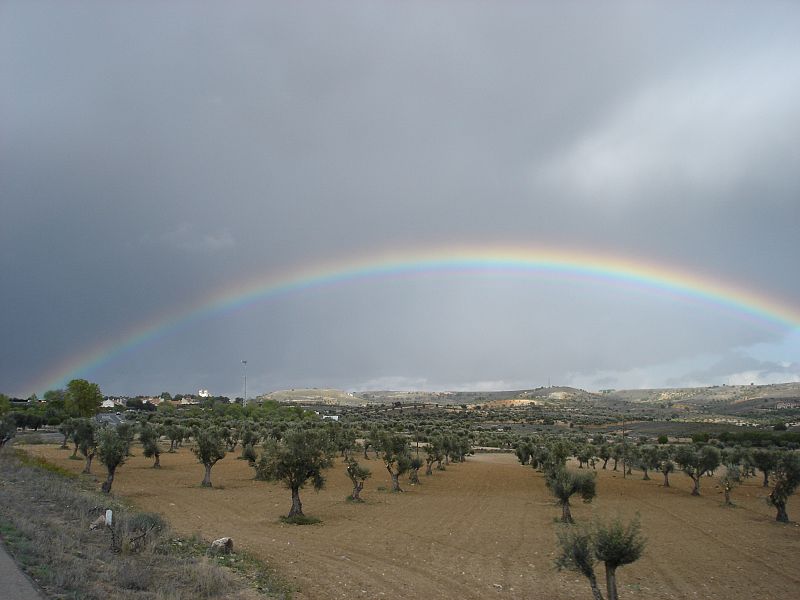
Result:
[[624, 452], [244, 399]]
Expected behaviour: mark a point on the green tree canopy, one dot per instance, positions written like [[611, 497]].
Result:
[[299, 456], [697, 462], [614, 544], [83, 399], [112, 448], [786, 479], [8, 429], [209, 448], [563, 484]]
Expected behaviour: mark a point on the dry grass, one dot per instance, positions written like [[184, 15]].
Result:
[[45, 513]]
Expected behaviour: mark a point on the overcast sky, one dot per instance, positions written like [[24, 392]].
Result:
[[155, 153]]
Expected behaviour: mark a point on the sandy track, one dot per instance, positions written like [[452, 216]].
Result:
[[481, 529]]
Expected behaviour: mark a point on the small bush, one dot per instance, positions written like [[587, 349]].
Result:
[[132, 574], [206, 579]]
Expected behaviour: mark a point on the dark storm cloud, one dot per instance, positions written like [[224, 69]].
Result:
[[151, 153]]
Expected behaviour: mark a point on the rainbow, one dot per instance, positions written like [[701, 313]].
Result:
[[526, 260]]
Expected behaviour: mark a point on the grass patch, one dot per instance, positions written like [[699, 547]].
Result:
[[40, 463], [300, 520], [44, 521]]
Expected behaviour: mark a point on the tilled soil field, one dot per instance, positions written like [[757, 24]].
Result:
[[482, 529]]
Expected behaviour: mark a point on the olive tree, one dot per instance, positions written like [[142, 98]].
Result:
[[524, 450], [434, 453], [431, 456], [665, 465], [66, 428], [396, 456], [765, 461], [8, 429], [148, 436], [585, 453], [209, 448], [127, 431], [785, 480], [737, 468], [613, 544], [604, 453], [358, 475], [112, 448], [301, 455], [696, 462], [175, 434], [86, 441], [414, 467], [647, 458], [563, 484]]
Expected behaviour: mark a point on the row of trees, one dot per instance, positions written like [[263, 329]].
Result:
[[778, 466], [110, 445], [292, 453], [581, 548]]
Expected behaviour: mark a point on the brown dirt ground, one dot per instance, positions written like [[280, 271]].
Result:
[[468, 531]]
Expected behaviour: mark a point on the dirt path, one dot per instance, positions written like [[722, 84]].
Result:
[[480, 529]]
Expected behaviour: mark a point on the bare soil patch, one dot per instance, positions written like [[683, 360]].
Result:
[[481, 529]]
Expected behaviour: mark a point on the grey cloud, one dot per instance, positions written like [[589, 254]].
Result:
[[245, 141], [186, 237], [739, 368]]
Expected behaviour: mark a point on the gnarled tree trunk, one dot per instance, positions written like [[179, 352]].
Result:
[[357, 487], [696, 488], [595, 589], [395, 480], [782, 516], [207, 479], [88, 468], [157, 463], [666, 479], [566, 513], [106, 487], [297, 506], [611, 583]]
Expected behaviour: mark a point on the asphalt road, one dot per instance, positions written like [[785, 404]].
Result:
[[14, 585]]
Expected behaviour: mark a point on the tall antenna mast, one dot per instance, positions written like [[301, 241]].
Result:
[[244, 399]]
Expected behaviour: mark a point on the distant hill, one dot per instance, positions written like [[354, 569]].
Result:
[[512, 397], [729, 399], [714, 395], [314, 396]]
